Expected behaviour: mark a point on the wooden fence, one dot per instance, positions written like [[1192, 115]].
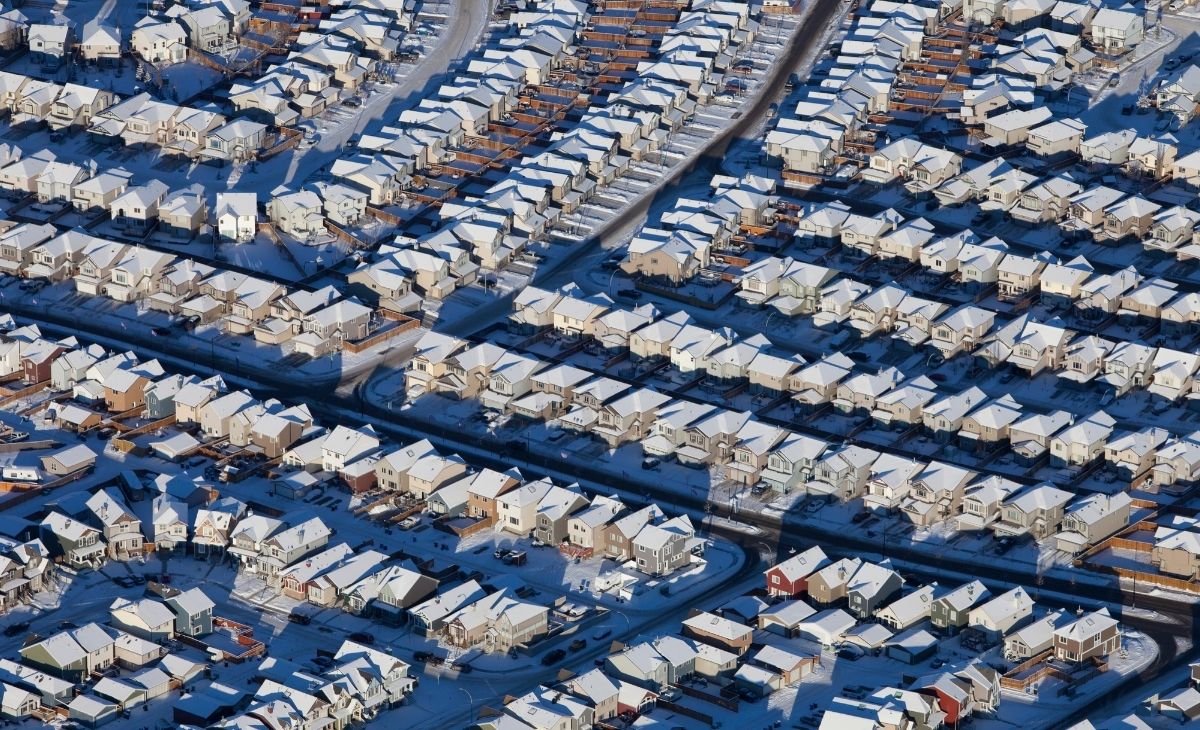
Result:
[[686, 711], [405, 324], [16, 395]]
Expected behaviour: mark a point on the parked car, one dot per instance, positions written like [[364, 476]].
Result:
[[300, 618], [17, 629], [577, 645], [362, 637], [554, 657]]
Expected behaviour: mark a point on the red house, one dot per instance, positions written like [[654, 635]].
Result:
[[634, 699], [952, 696], [359, 476], [973, 688], [790, 578], [36, 359]]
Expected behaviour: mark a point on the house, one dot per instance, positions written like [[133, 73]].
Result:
[[121, 528], [136, 209], [772, 668], [98, 192], [842, 473], [599, 691], [1082, 442], [169, 520], [553, 512], [951, 611], [1133, 454], [963, 692], [1035, 638], [497, 623], [193, 612], [1096, 634], [485, 489], [49, 45], [790, 577], [547, 709], [998, 616], [145, 618], [890, 481], [1116, 31], [69, 460], [587, 529], [1030, 436], [344, 446], [516, 509], [57, 182], [936, 493], [284, 548], [216, 415], [909, 610], [620, 533], [721, 632], [791, 462], [236, 216], [1038, 512], [158, 42], [871, 587], [660, 549], [1092, 519], [1182, 704], [298, 214], [961, 330], [73, 653], [101, 46], [1176, 550], [912, 647]]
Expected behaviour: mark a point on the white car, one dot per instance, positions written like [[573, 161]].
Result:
[[410, 522]]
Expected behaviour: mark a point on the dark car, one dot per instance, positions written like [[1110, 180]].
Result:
[[577, 645], [160, 331], [423, 656], [300, 618], [362, 637], [554, 657], [16, 629], [860, 517]]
